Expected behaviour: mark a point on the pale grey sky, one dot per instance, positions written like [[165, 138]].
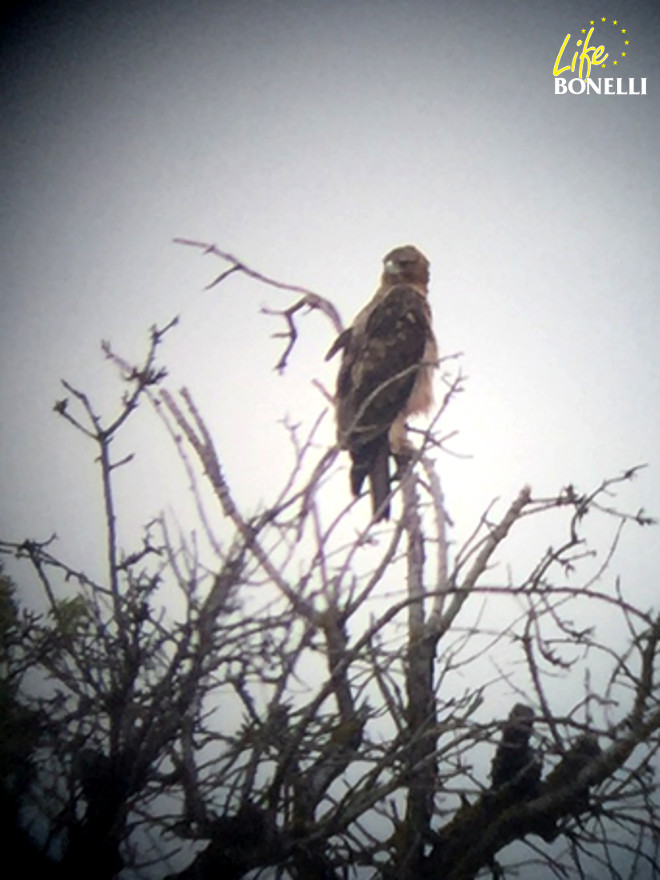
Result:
[[309, 138]]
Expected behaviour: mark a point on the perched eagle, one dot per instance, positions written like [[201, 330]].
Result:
[[385, 376], [516, 763]]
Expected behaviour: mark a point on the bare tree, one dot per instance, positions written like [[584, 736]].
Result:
[[298, 692]]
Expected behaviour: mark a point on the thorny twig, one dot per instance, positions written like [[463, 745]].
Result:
[[310, 300]]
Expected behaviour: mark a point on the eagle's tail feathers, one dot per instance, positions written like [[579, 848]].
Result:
[[359, 473], [379, 483], [372, 461]]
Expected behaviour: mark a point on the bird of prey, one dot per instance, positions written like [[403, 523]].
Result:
[[516, 763], [385, 375]]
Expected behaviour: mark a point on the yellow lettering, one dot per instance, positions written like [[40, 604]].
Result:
[[589, 55], [598, 55], [584, 56], [556, 68]]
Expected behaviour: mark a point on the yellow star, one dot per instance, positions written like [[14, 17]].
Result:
[[623, 53], [603, 19], [615, 22], [625, 42], [591, 22], [584, 30], [615, 62], [623, 30]]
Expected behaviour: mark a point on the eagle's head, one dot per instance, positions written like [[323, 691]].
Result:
[[406, 265]]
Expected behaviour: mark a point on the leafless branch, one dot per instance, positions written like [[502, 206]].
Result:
[[310, 300]]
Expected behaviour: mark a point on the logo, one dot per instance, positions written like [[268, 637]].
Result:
[[590, 57]]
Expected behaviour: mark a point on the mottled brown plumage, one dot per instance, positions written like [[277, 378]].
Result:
[[385, 375]]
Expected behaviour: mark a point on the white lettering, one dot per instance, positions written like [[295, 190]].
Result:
[[607, 86]]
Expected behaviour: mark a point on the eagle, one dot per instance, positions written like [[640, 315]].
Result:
[[515, 761], [388, 356]]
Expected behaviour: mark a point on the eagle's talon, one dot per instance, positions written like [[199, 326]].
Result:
[[403, 459]]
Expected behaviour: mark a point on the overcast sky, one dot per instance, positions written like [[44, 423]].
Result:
[[309, 138]]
